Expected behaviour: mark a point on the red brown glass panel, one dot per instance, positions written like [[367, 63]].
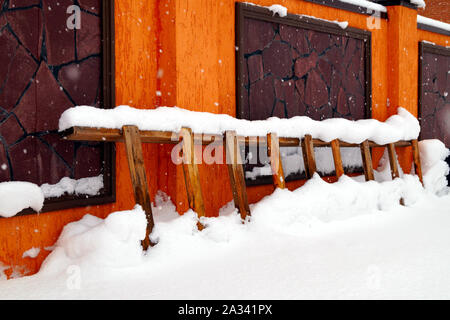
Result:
[[434, 94], [47, 67], [291, 69]]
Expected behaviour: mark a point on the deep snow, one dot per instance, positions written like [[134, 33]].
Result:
[[399, 253], [349, 239]]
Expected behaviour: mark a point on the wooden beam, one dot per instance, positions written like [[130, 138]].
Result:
[[152, 136], [336, 150], [416, 159], [393, 161], [273, 151], [116, 135], [133, 147], [308, 156], [236, 174], [191, 174], [367, 160]]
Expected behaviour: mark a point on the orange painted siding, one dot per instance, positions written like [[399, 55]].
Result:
[[185, 49]]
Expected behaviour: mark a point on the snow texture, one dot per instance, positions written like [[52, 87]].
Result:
[[85, 186], [31, 253], [419, 3], [367, 4], [292, 160], [403, 126], [346, 247], [282, 12], [434, 167], [433, 23], [16, 196], [278, 9], [346, 240]]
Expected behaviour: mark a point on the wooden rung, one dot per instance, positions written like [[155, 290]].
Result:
[[393, 161], [416, 159], [367, 160], [308, 156], [236, 173], [191, 174], [273, 151], [336, 150], [133, 147]]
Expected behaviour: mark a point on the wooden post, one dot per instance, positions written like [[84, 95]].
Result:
[[367, 160], [393, 161], [133, 147], [416, 159], [191, 174], [336, 150], [308, 156], [273, 151], [236, 173]]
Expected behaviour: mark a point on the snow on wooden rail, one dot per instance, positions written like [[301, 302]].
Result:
[[162, 125], [402, 126]]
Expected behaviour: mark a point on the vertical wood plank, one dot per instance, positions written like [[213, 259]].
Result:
[[236, 173], [191, 173], [133, 147], [416, 159], [393, 161], [367, 160], [336, 150], [308, 156], [273, 151]]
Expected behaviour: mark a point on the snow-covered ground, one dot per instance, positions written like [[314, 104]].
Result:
[[350, 239]]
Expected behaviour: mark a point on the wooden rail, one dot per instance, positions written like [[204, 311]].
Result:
[[133, 138]]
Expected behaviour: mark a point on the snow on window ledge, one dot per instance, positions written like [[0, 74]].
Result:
[[16, 196], [66, 186], [433, 23], [282, 12], [366, 4]]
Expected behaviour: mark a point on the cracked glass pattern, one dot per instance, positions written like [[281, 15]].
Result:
[[290, 71], [435, 100], [46, 68]]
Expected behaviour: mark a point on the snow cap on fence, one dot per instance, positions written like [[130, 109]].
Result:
[[403, 126]]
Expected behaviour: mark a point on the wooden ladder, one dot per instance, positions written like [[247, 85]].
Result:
[[133, 139]]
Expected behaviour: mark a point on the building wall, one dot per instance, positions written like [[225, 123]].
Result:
[[436, 9], [185, 49]]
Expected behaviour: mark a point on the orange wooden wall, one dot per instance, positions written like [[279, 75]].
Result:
[[185, 50]]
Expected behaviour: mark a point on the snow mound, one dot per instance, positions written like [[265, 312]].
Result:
[[95, 242], [434, 167], [402, 126], [16, 196], [31, 253], [115, 242], [319, 202]]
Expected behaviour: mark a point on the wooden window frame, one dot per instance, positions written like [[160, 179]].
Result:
[[305, 22], [109, 153]]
